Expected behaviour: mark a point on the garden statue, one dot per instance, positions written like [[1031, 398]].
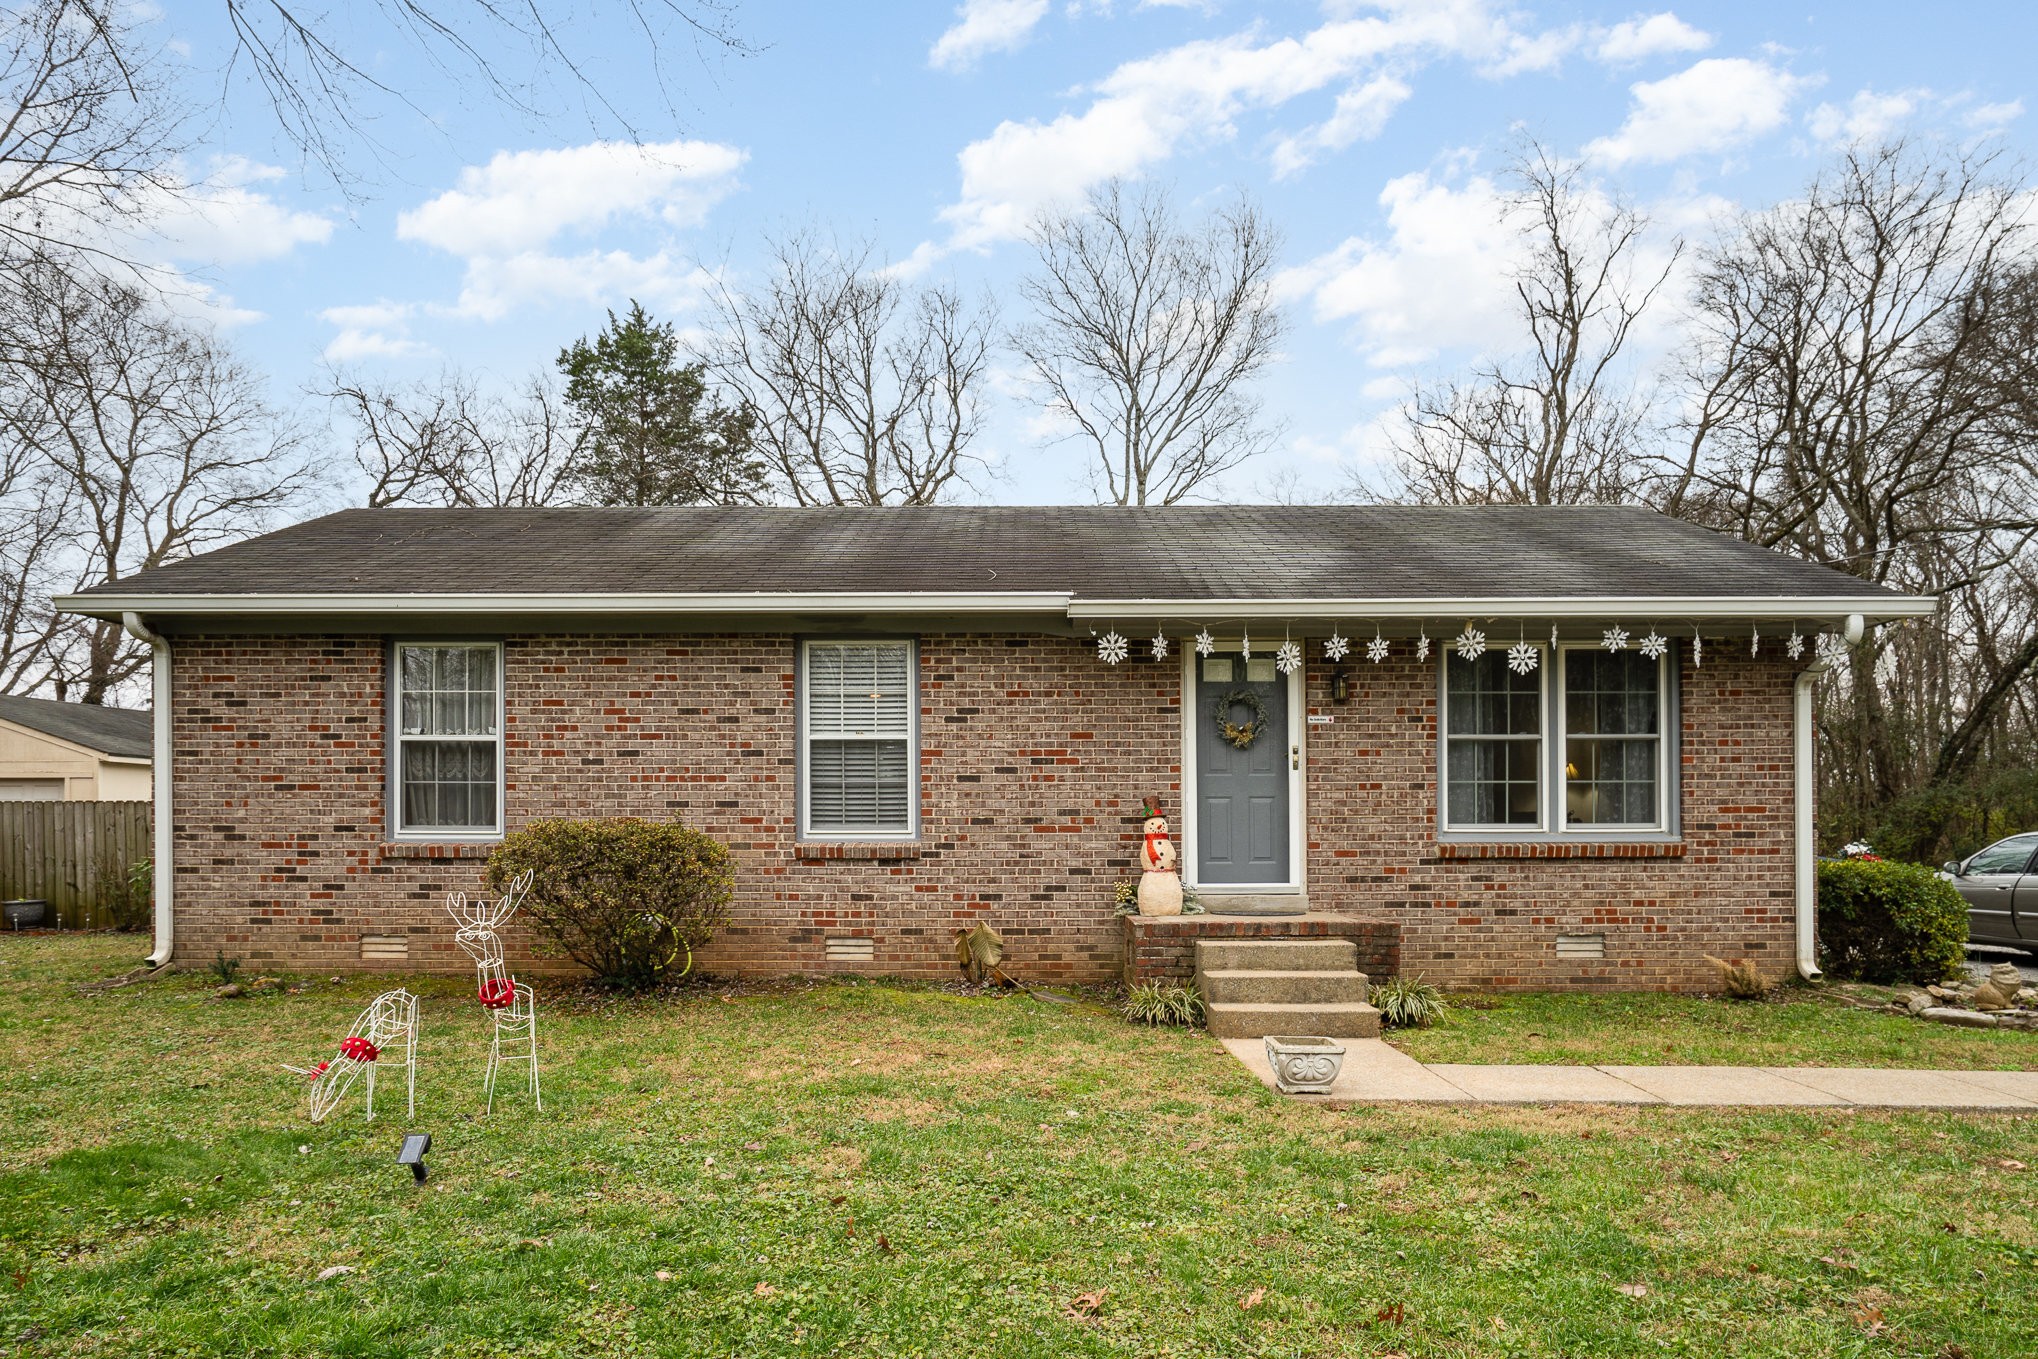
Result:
[[391, 1018], [1160, 886], [511, 1005]]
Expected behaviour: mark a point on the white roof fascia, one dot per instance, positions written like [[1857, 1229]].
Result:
[[1782, 608]]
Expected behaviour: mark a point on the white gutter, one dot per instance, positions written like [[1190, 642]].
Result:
[[1804, 847], [164, 867], [754, 602], [1667, 608]]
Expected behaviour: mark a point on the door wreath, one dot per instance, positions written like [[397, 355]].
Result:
[[1240, 735]]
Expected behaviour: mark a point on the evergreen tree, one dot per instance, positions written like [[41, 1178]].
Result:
[[651, 431]]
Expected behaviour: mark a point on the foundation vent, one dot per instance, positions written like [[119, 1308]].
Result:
[[385, 948], [1581, 946], [851, 949]]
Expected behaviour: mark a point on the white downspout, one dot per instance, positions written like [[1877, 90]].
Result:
[[1804, 845], [160, 763]]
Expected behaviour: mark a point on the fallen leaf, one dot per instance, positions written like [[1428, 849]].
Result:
[[763, 1289], [663, 1276], [1392, 1314], [1635, 1290], [753, 1146], [884, 1243], [2010, 1165], [856, 1061], [1869, 1319], [1499, 1324], [1086, 1304], [334, 1272], [1252, 1299]]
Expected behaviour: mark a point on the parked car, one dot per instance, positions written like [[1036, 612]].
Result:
[[2001, 888]]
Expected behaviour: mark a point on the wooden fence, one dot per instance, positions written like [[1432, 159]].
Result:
[[76, 856]]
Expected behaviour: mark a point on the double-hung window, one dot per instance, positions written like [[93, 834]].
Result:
[[1613, 739], [858, 719], [1493, 744], [1578, 745], [447, 716]]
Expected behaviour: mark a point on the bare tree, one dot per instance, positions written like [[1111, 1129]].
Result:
[[866, 389], [156, 439], [87, 128], [448, 442], [1146, 335], [1860, 396], [1556, 424], [317, 68]]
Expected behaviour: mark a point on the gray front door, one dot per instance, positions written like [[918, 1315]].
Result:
[[1242, 801]]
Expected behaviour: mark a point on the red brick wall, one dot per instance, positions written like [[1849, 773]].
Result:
[[1033, 760]]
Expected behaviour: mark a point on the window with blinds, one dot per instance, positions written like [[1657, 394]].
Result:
[[857, 737]]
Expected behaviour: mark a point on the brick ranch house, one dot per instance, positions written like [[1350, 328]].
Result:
[[907, 720]]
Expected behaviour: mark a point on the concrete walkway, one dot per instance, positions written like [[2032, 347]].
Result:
[[1375, 1073]]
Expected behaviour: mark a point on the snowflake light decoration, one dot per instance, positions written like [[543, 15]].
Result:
[[1654, 645], [1755, 641], [1205, 643], [1335, 648], [1159, 646], [1614, 638], [1288, 657], [1376, 650], [1471, 643], [1553, 636], [1522, 658], [1794, 648], [1697, 650], [1111, 648], [1245, 646], [1422, 646]]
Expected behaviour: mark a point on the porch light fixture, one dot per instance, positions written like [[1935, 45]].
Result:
[[413, 1154], [1340, 686]]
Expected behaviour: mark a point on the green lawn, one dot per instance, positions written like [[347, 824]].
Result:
[[881, 1171], [1795, 1029]]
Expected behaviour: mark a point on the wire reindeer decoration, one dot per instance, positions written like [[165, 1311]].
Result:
[[390, 1020], [512, 1006]]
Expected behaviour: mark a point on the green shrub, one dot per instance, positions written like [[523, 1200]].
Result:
[[1881, 921], [1407, 1002], [1158, 1002], [630, 900]]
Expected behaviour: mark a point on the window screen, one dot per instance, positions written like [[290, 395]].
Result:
[[858, 725]]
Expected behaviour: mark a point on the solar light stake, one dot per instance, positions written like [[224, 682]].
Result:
[[413, 1154]]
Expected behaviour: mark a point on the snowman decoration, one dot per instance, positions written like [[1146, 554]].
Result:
[[1160, 886]]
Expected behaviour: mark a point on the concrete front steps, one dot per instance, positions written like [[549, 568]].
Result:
[[1254, 987]]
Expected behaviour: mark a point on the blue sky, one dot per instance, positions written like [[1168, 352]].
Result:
[[486, 239]]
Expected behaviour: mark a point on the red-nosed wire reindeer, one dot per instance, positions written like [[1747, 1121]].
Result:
[[510, 1004], [390, 1019]]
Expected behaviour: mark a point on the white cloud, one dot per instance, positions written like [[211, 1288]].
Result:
[[223, 218], [520, 200], [1995, 117], [1716, 105], [1438, 281], [1148, 109], [1657, 35], [1361, 113], [1866, 117], [985, 26], [661, 281], [372, 330]]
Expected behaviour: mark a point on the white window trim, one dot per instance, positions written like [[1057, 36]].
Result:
[[1542, 824], [1559, 760], [451, 834], [838, 835]]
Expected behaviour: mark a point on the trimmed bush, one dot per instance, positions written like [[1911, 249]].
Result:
[[1881, 921], [628, 899]]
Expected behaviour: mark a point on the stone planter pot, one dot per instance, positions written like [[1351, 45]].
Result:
[[1304, 1064], [24, 913]]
